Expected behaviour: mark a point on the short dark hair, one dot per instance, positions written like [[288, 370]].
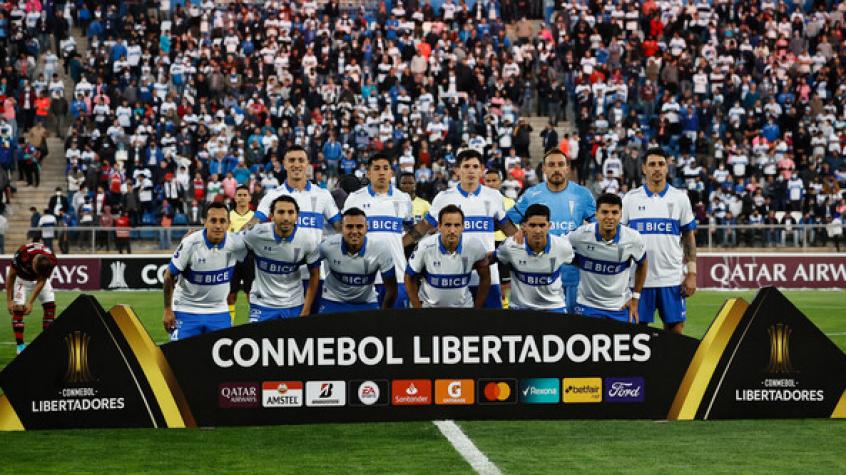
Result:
[[242, 187], [554, 151], [294, 148], [494, 170], [537, 209], [353, 212], [405, 174], [467, 154], [609, 198], [42, 265], [657, 151], [449, 209], [216, 205], [284, 199], [377, 156]]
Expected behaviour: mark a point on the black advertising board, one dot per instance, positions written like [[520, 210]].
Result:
[[550, 367], [760, 360], [135, 273], [81, 372]]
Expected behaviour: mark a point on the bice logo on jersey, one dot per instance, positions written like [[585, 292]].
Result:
[[454, 391], [282, 394], [411, 392], [325, 393]]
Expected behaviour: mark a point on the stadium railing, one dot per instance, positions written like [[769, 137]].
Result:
[[93, 238]]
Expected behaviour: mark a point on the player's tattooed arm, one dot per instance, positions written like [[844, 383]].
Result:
[[416, 233], [689, 248], [508, 228]]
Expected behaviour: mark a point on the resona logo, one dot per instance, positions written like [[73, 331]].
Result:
[[118, 275]]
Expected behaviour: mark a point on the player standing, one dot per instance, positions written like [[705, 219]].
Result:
[[388, 213], [663, 216], [27, 278], [444, 262], [419, 206], [570, 205], [604, 252], [244, 271], [316, 205], [196, 282], [482, 212], [281, 249], [535, 265], [353, 260]]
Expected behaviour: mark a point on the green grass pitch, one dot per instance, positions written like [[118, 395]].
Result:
[[418, 447]]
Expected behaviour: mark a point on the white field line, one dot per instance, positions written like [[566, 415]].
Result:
[[479, 461]]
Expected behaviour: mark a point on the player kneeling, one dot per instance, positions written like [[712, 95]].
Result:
[[604, 252], [535, 265], [352, 261], [29, 276]]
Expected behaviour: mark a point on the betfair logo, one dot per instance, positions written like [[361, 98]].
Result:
[[78, 371], [582, 390], [780, 349]]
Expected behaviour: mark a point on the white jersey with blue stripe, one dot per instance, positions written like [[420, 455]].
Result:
[[445, 276], [536, 278], [350, 277], [603, 266], [277, 262], [203, 271], [387, 217], [482, 209], [317, 207], [660, 218], [568, 208]]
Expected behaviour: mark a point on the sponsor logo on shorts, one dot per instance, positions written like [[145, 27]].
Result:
[[326, 393], [411, 392], [624, 389], [454, 392], [369, 393], [540, 391], [497, 391], [581, 390], [237, 395], [282, 394]]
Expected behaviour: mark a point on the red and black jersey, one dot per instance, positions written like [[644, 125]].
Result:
[[22, 262]]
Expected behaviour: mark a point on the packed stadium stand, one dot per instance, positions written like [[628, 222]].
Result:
[[151, 109]]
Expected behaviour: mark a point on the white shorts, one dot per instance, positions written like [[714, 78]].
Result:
[[24, 287]]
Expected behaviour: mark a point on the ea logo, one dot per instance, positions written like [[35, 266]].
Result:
[[368, 393]]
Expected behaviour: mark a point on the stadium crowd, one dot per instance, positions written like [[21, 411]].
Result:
[[174, 104]]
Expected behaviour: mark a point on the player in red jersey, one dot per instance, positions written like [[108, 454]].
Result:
[[30, 274]]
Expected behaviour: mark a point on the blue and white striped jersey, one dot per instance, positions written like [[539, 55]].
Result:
[[482, 211], [603, 266], [278, 261], [445, 275], [204, 271], [536, 278], [660, 218], [350, 277]]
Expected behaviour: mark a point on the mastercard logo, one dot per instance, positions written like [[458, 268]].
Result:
[[497, 391]]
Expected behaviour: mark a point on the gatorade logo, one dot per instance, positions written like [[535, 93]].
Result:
[[454, 392]]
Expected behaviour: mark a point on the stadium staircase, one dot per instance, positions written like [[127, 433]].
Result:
[[52, 173]]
